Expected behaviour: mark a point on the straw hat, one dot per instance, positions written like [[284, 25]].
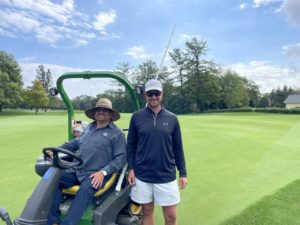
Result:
[[103, 103]]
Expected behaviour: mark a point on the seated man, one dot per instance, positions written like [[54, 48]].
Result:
[[103, 150]]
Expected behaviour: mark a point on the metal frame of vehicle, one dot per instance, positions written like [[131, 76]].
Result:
[[89, 75], [38, 205]]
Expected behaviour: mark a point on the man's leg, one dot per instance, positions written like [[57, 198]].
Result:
[[142, 193], [170, 214], [54, 214], [83, 198], [167, 195], [148, 210], [66, 180]]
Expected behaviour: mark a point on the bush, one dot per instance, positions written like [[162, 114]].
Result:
[[262, 110], [278, 110], [229, 110]]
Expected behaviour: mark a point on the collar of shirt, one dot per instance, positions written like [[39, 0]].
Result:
[[110, 125], [150, 110]]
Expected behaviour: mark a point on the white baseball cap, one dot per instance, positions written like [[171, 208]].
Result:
[[153, 85]]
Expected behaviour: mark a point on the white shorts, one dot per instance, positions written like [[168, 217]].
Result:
[[166, 194]]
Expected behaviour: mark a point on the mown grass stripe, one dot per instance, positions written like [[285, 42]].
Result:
[[233, 159]]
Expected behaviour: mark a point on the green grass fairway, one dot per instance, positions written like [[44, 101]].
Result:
[[233, 160], [280, 208]]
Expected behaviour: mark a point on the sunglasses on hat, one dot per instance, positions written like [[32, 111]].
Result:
[[153, 92]]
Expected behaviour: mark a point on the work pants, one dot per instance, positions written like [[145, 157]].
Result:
[[83, 198]]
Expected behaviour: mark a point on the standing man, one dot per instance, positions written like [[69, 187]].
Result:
[[102, 147], [154, 150]]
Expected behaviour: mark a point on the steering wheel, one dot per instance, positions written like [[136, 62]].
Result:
[[60, 163]]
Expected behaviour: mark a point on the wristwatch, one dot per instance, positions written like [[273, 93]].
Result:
[[104, 172]]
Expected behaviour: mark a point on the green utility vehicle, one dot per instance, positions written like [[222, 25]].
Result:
[[112, 204]]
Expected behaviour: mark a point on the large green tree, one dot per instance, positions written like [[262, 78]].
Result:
[[210, 92], [195, 49], [144, 72], [120, 97], [56, 103], [202, 85], [36, 96], [83, 102], [253, 92], [278, 96], [124, 69], [45, 77], [234, 90], [179, 60], [10, 81]]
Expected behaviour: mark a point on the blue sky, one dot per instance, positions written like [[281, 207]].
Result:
[[259, 39]]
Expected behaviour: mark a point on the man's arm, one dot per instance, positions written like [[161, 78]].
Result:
[[178, 150], [119, 154], [179, 155], [72, 145]]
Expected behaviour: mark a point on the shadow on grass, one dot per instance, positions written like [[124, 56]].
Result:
[[281, 208]]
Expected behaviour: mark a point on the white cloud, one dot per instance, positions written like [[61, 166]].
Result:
[[6, 33], [292, 8], [21, 22], [27, 59], [185, 37], [73, 87], [138, 52], [182, 38], [103, 19], [29, 71], [60, 12], [289, 7], [55, 24], [18, 21], [267, 76], [258, 3], [292, 51], [242, 6], [48, 34]]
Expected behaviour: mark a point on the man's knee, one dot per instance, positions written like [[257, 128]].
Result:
[[87, 187], [148, 209], [86, 191], [170, 214], [170, 218]]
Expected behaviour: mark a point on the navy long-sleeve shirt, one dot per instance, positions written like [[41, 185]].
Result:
[[154, 146], [100, 149]]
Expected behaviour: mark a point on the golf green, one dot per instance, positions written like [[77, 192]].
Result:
[[233, 159]]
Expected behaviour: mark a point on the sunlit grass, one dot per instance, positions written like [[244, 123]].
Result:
[[233, 160], [280, 208]]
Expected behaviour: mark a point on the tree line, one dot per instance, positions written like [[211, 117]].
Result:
[[192, 84], [13, 94]]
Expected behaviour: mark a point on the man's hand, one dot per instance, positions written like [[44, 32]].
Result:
[[131, 177], [97, 179], [50, 152], [182, 182]]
